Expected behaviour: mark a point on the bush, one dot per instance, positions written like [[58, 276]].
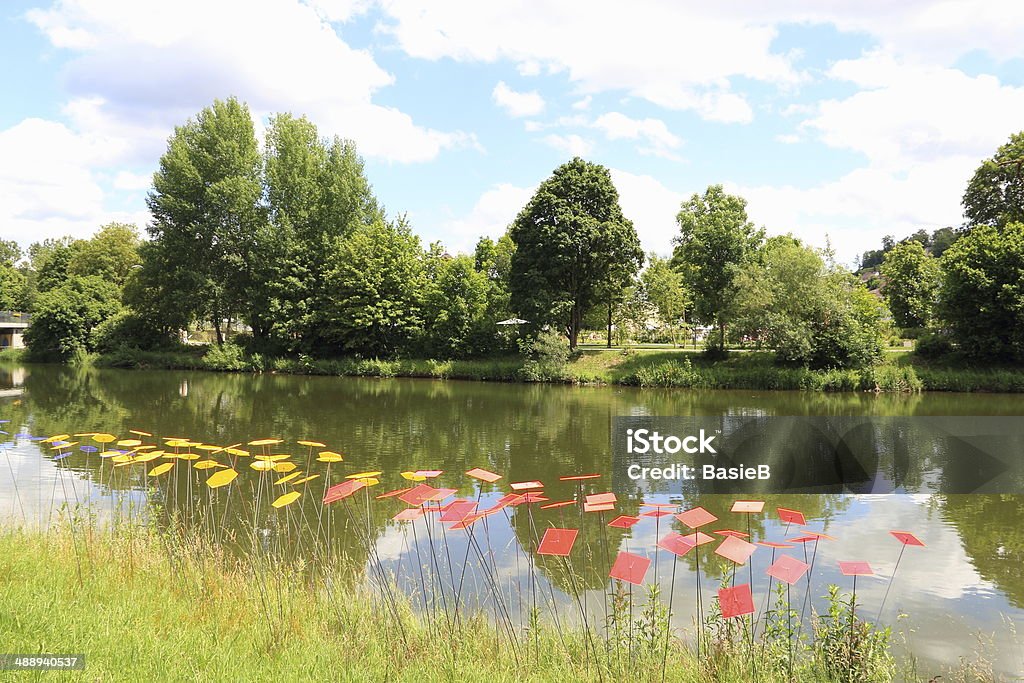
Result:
[[933, 345], [668, 374], [128, 330], [548, 357], [227, 357]]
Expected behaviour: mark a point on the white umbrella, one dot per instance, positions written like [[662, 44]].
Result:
[[512, 321]]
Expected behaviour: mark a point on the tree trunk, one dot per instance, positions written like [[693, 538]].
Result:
[[609, 323], [721, 336], [574, 327], [216, 327]]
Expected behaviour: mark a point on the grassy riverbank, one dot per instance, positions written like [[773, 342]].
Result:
[[143, 605], [899, 372]]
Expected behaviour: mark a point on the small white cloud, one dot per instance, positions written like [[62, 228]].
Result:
[[618, 126], [572, 145], [787, 138], [528, 68], [125, 180], [517, 103], [490, 216], [584, 104]]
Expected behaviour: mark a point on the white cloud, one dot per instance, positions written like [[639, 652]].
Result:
[[583, 104], [47, 184], [651, 206], [788, 138], [572, 145], [659, 140], [517, 103], [145, 68], [126, 180], [490, 216], [905, 115], [679, 56]]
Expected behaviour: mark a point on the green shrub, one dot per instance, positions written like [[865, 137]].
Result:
[[127, 329], [225, 357], [933, 345], [548, 357]]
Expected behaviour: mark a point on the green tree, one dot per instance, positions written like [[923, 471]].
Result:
[[65, 316], [792, 299], [716, 241], [662, 286], [207, 214], [316, 193], [911, 283], [942, 239], [995, 193], [112, 253], [456, 307], [377, 280], [50, 262], [573, 248], [982, 292], [12, 280]]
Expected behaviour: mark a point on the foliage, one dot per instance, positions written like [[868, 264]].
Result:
[[127, 329], [847, 647], [715, 242], [64, 317], [206, 214], [112, 253], [911, 283], [982, 292], [995, 193], [457, 312], [376, 278], [548, 356], [227, 356], [933, 345], [662, 286], [790, 300], [573, 248]]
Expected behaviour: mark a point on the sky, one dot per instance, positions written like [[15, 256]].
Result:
[[838, 122]]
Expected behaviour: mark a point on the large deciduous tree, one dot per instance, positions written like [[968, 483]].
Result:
[[573, 248], [911, 283], [207, 213], [715, 241], [982, 292], [995, 193], [663, 288]]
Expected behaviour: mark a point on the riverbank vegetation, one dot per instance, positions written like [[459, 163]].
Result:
[[188, 610], [282, 259]]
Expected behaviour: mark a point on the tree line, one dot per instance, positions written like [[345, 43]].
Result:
[[289, 241]]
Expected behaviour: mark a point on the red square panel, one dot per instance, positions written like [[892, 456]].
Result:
[[655, 513], [788, 569], [696, 517], [457, 511], [791, 516], [579, 477], [418, 494], [343, 490], [856, 569], [409, 514], [676, 543], [907, 538], [557, 542], [598, 507], [600, 498], [630, 568], [749, 506], [732, 532], [429, 474], [698, 538], [390, 494], [483, 475], [736, 549], [735, 602], [526, 485], [623, 521], [559, 504], [769, 544]]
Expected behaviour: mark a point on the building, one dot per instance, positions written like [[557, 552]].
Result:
[[12, 329]]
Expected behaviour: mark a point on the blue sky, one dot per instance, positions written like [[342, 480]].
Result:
[[845, 122]]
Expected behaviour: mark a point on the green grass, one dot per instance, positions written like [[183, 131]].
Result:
[[141, 604], [12, 356]]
